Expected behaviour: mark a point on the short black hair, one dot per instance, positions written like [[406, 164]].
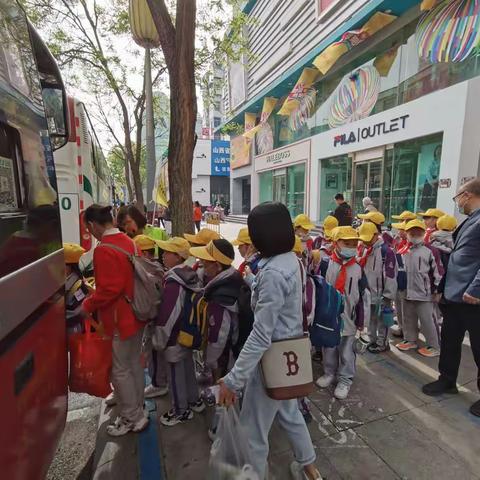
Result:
[[134, 213], [339, 196], [226, 248], [100, 214], [197, 204], [271, 229]]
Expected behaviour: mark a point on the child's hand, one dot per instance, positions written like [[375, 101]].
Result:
[[226, 397]]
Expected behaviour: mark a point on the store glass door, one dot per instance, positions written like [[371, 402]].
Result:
[[280, 186], [367, 182]]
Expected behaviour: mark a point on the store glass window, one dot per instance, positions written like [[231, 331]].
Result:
[[335, 177], [266, 186], [296, 189]]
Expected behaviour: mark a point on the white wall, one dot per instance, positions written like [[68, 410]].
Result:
[[201, 189], [202, 158]]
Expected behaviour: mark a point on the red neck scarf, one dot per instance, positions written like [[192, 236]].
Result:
[[342, 276], [363, 257]]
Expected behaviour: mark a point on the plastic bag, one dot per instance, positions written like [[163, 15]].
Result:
[[230, 457], [90, 362]]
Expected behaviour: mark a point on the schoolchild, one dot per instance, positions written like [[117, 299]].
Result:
[[400, 245], [380, 266], [179, 281], [251, 258], [157, 365], [423, 279], [202, 238], [75, 288], [303, 226], [442, 239], [347, 276], [430, 217]]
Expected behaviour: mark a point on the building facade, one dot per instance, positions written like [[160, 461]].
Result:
[[389, 118]]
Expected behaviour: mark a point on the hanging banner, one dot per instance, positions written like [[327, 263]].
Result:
[[161, 196], [250, 121], [268, 106], [308, 76], [302, 113], [450, 32], [427, 5], [384, 62], [239, 152], [331, 54]]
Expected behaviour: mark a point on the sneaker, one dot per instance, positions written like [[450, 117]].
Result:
[[111, 401], [375, 348], [341, 391], [120, 427], [141, 425], [405, 346], [197, 407], [396, 331], [439, 387], [298, 473], [152, 392], [475, 409], [325, 381], [170, 418], [429, 352]]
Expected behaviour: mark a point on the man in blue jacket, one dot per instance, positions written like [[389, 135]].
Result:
[[461, 310]]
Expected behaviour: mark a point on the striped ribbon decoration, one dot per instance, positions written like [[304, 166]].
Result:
[[449, 32]]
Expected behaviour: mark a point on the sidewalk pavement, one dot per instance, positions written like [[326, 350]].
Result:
[[386, 429]]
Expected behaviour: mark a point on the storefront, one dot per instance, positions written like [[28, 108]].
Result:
[[411, 157], [283, 175]]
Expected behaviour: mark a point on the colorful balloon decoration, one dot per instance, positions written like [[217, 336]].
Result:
[[264, 139], [355, 97], [300, 115], [449, 32]]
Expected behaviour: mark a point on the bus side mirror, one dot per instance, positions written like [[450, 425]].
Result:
[[56, 112]]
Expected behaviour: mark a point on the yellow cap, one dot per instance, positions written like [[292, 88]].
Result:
[[303, 221], [432, 212], [143, 242], [375, 217], [447, 223], [405, 215], [211, 253], [298, 247], [243, 238], [366, 231], [316, 256], [203, 237], [329, 224], [344, 233], [72, 252], [415, 224], [399, 226], [175, 245]]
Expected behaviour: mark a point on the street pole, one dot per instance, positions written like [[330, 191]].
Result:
[[149, 131]]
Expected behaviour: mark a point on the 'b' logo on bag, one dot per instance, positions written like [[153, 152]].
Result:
[[292, 363]]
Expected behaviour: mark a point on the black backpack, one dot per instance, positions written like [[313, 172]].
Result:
[[245, 318]]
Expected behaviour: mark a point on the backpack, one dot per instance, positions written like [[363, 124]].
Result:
[[326, 328], [193, 329], [146, 295], [245, 318]]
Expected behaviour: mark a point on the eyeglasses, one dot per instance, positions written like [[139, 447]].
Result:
[[458, 195]]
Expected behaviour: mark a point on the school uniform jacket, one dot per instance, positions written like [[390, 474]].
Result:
[[178, 281], [357, 299], [381, 272], [113, 286], [423, 272]]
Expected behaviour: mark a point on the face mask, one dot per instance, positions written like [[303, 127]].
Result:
[[415, 240], [348, 253]]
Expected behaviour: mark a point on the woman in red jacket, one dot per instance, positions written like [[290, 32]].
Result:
[[114, 284]]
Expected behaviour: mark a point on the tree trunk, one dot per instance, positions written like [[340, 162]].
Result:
[[127, 179], [135, 177], [178, 45]]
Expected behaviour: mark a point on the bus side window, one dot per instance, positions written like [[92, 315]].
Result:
[[11, 194]]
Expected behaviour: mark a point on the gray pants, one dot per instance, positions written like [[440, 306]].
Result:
[[183, 383], [340, 361], [127, 376], [377, 330], [399, 300], [413, 311], [258, 414]]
